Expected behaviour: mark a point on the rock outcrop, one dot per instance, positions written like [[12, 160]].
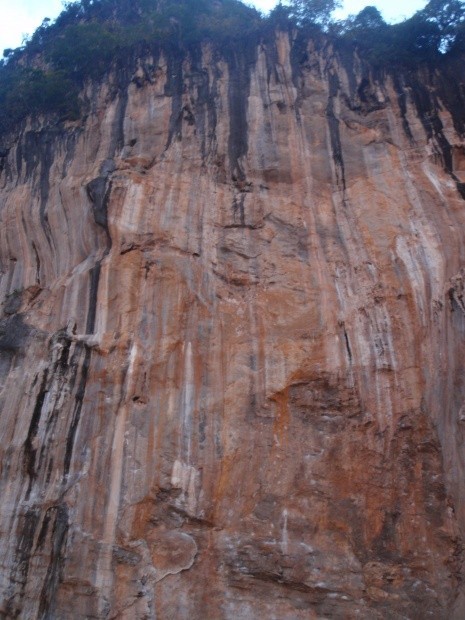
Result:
[[232, 344]]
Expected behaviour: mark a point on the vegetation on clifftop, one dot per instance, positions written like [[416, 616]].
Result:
[[91, 36]]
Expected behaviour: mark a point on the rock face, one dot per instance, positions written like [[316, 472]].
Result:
[[232, 344]]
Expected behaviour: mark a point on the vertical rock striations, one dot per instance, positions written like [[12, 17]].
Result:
[[232, 344]]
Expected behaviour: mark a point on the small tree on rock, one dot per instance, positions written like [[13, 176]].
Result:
[[448, 16], [314, 11]]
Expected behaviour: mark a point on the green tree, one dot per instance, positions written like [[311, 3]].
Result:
[[84, 50], [369, 18], [314, 11], [448, 16]]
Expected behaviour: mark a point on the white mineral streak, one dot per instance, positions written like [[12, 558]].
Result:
[[104, 568], [187, 402], [284, 534]]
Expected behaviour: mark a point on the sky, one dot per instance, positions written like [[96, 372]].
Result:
[[19, 18]]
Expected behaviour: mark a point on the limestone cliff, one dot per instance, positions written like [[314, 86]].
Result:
[[232, 343]]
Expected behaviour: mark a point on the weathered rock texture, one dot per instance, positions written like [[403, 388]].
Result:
[[232, 344]]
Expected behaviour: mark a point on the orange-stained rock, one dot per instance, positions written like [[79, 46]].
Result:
[[233, 344]]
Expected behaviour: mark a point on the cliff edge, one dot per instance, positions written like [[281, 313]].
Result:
[[232, 343]]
